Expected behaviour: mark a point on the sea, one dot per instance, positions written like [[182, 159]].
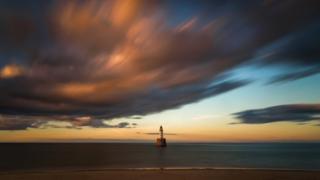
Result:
[[84, 156]]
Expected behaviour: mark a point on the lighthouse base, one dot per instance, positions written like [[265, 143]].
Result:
[[161, 142]]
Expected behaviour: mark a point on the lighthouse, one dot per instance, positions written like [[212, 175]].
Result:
[[161, 142]]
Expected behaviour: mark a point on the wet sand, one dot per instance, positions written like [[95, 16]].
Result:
[[168, 174]]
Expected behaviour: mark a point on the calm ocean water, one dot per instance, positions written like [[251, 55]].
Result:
[[37, 156]]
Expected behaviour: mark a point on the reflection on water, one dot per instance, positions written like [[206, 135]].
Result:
[[161, 157]]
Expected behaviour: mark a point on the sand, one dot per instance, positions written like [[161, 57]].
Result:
[[172, 174], [183, 174]]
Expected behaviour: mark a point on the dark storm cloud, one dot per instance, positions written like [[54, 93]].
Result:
[[300, 113], [113, 59]]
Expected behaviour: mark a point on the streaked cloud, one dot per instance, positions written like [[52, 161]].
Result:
[[299, 113], [113, 59], [295, 75]]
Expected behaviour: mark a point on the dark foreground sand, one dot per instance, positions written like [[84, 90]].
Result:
[[210, 174]]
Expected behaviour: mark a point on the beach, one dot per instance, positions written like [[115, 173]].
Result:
[[167, 174]]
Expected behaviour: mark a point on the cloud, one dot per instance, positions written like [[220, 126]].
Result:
[[135, 117], [10, 71], [97, 123], [298, 51], [299, 113], [15, 123], [295, 75], [113, 59], [92, 122]]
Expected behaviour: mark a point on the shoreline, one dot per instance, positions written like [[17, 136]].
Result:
[[168, 174], [67, 169]]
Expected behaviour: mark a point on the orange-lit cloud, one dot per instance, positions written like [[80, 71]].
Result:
[[110, 59], [10, 71]]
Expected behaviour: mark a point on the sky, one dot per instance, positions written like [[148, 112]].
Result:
[[208, 71]]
